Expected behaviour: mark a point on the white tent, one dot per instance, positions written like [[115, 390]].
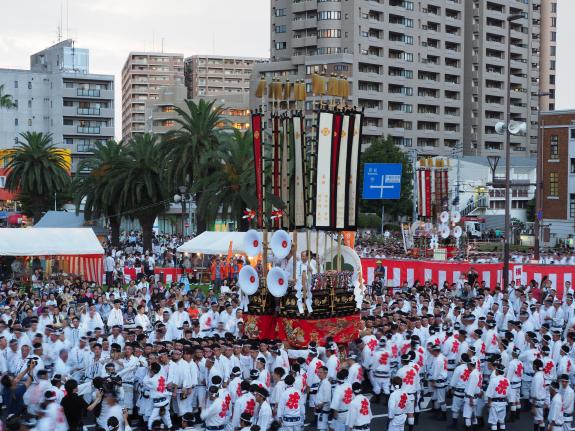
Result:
[[49, 242], [219, 243]]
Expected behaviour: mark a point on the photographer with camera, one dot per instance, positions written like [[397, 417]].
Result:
[[13, 389]]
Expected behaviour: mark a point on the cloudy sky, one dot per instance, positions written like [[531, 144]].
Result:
[[113, 28]]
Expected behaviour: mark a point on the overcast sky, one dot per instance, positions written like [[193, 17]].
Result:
[[110, 29]]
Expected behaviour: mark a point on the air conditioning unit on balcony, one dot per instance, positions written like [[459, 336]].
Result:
[[424, 27]]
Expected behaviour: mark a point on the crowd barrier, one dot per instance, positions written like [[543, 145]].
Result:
[[399, 271]]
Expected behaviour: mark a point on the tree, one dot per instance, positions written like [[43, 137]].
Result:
[[6, 100], [139, 183], [198, 134], [230, 183], [385, 151], [95, 187], [37, 169]]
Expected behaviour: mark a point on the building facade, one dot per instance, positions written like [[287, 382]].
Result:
[[429, 74], [58, 95], [558, 175], [143, 75], [214, 75]]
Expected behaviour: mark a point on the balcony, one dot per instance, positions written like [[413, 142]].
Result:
[[88, 130], [88, 111], [88, 93]]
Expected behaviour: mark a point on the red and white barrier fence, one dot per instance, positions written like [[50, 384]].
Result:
[[399, 271]]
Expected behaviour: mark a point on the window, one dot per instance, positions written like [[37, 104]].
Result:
[[554, 184], [68, 103], [572, 205], [29, 122], [553, 36], [29, 103], [328, 14], [552, 65], [571, 133], [280, 29], [280, 12], [554, 7], [328, 33], [15, 121], [68, 122], [68, 141], [552, 79], [15, 84], [554, 150], [572, 169], [280, 45]]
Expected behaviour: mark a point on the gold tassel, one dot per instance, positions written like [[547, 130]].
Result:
[[343, 86], [322, 87], [278, 90], [299, 91], [287, 90], [271, 88], [261, 90], [332, 86], [316, 84]]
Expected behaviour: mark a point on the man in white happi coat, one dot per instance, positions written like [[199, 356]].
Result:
[[289, 411], [156, 384]]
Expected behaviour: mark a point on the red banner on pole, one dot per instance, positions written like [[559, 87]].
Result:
[[258, 163]]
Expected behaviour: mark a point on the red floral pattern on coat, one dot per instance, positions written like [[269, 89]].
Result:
[[409, 377], [483, 348], [293, 401], [347, 396], [250, 406], [372, 344], [364, 410], [402, 401], [465, 375], [161, 385], [455, 347], [384, 358], [494, 340], [519, 370], [501, 388], [394, 350], [548, 368]]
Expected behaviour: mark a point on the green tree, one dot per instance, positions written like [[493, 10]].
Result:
[[6, 100], [139, 183], [94, 186], [36, 170], [229, 184], [385, 151], [197, 134]]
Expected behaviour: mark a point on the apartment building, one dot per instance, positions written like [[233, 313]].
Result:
[[214, 75], [428, 73], [558, 175], [161, 114], [143, 75], [532, 72], [58, 95]]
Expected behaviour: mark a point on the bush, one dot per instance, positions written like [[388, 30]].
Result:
[[369, 221]]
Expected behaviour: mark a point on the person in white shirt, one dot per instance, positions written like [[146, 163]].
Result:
[[91, 321], [116, 317], [142, 319]]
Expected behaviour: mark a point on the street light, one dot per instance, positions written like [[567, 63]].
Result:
[[508, 128], [493, 162], [539, 179], [182, 197]]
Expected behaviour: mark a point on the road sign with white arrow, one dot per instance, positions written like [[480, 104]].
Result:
[[382, 180]]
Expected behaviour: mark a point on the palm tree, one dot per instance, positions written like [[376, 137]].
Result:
[[6, 100], [96, 187], [230, 183], [139, 183], [184, 147], [37, 169]]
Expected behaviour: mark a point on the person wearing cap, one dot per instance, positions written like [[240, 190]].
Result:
[[155, 382], [497, 394], [340, 401], [312, 374], [263, 417], [380, 371], [411, 383], [323, 400], [359, 415], [538, 394], [457, 385], [555, 417], [332, 362], [472, 392], [568, 396], [398, 406], [438, 381], [288, 413], [215, 415], [244, 403], [514, 373]]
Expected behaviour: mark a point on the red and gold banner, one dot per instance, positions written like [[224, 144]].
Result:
[[299, 332], [258, 163]]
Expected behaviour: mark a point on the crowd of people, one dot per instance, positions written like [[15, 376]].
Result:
[[156, 356]]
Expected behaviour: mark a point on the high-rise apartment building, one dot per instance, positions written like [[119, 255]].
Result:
[[143, 74], [488, 82], [431, 74], [58, 95], [214, 75]]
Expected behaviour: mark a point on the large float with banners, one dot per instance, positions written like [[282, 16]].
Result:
[[308, 284]]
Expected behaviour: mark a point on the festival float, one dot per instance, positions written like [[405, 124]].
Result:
[[307, 282]]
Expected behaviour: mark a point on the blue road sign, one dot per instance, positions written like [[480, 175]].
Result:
[[382, 180]]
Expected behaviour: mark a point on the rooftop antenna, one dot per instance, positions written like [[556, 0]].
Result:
[[60, 25], [67, 21]]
